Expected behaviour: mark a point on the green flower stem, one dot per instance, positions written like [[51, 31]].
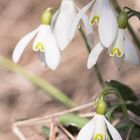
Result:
[[110, 90], [98, 74], [37, 81], [136, 39]]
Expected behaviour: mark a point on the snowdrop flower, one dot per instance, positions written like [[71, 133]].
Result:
[[102, 14], [44, 43], [99, 127], [122, 50], [62, 23]]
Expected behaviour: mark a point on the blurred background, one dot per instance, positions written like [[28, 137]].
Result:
[[21, 99]]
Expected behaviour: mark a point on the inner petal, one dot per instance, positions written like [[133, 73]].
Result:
[[115, 52], [94, 20], [39, 47], [96, 12], [98, 137]]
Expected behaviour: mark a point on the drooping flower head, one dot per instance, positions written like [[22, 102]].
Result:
[[99, 128], [122, 50], [102, 14], [62, 23], [44, 43]]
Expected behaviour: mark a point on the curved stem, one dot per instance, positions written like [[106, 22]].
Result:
[[110, 90], [98, 73]]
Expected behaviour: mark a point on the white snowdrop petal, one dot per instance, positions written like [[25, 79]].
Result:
[[108, 26], [118, 46], [22, 44], [97, 9], [77, 19], [94, 54], [54, 18], [112, 130], [52, 53], [88, 31], [63, 23], [87, 131], [131, 55], [100, 129], [40, 37]]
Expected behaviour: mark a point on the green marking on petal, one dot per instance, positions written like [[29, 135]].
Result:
[[98, 137], [95, 19], [39, 47], [116, 51]]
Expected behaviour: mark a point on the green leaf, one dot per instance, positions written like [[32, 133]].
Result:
[[134, 107], [126, 92], [72, 119], [135, 134]]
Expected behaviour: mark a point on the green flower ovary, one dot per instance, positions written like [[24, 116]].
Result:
[[116, 51], [46, 16], [98, 137], [123, 20], [94, 19], [101, 107]]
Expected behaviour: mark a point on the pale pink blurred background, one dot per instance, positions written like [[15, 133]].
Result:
[[19, 98]]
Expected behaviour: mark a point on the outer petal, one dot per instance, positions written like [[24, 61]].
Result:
[[108, 26], [131, 55], [94, 54], [77, 19], [52, 53], [87, 131], [55, 16], [112, 130], [63, 23], [89, 31], [22, 45]]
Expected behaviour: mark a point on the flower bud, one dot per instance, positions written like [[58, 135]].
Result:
[[46, 17], [101, 107], [123, 20]]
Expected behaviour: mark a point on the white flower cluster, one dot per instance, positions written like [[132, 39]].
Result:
[[57, 31], [55, 36], [111, 36]]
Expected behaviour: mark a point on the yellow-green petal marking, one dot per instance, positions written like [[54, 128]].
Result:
[[116, 51], [95, 19], [98, 137], [39, 47]]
